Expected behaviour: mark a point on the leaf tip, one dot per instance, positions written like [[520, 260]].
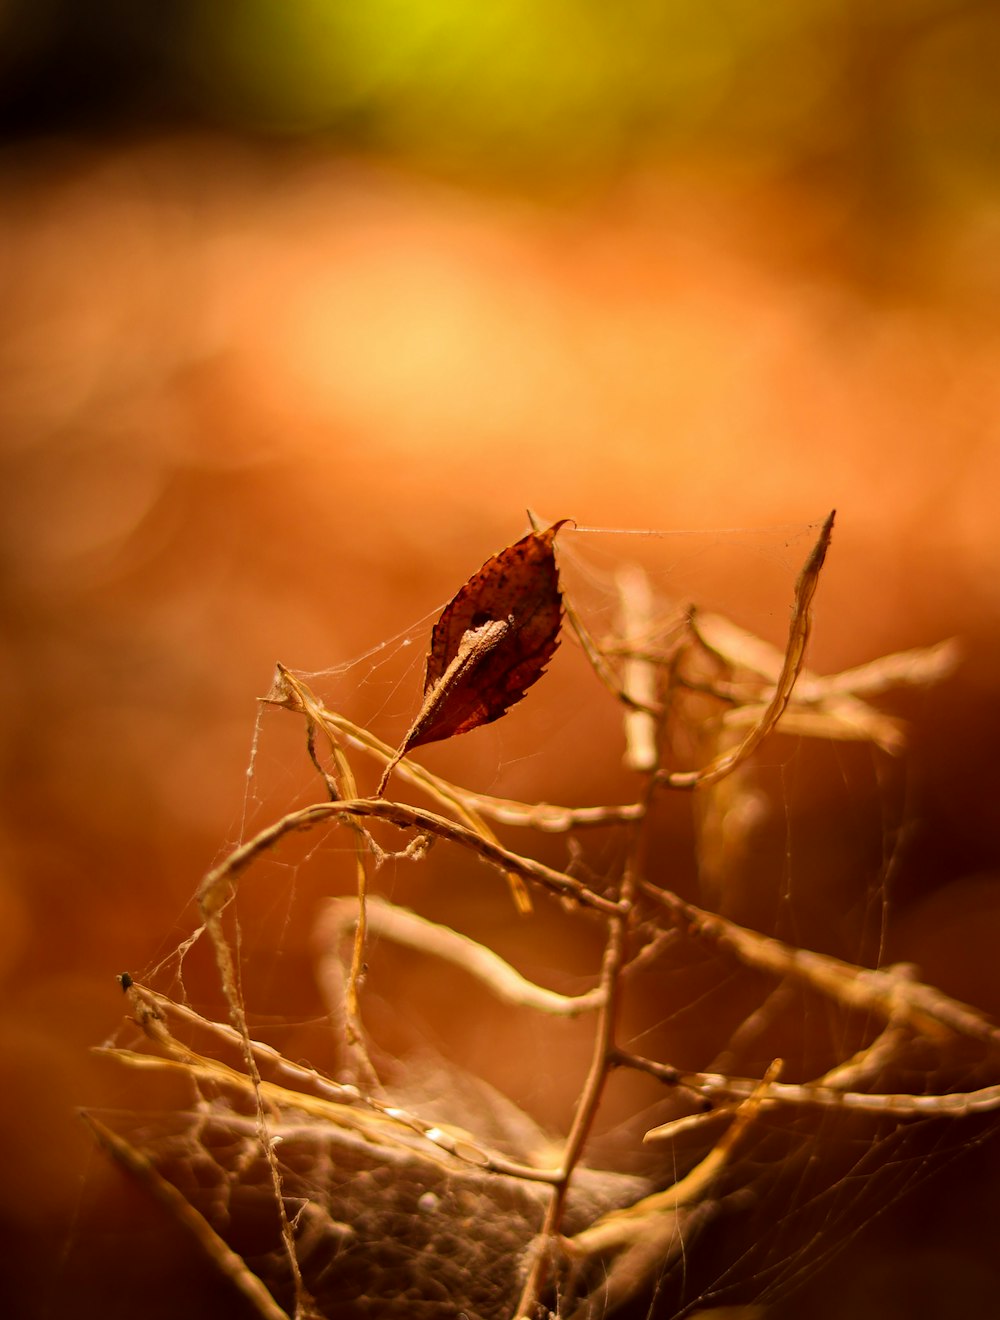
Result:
[[539, 529]]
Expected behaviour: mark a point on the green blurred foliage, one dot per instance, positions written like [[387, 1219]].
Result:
[[893, 104], [900, 97]]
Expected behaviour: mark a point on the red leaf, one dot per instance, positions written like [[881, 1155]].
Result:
[[491, 643]]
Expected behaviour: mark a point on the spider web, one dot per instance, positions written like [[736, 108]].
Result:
[[403, 1154]]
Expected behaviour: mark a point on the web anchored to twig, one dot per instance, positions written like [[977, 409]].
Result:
[[384, 1201]]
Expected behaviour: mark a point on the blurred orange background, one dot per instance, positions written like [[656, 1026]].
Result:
[[301, 313]]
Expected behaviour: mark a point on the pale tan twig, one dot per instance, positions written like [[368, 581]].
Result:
[[886, 992], [407, 928], [798, 638], [340, 786], [551, 819], [639, 677], [291, 693], [693, 1185], [639, 1242], [217, 887], [309, 1092], [211, 898], [830, 705], [601, 1064], [900, 1104]]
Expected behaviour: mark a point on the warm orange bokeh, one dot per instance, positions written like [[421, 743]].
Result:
[[263, 407]]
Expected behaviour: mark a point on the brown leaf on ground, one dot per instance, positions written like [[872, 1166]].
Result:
[[491, 643]]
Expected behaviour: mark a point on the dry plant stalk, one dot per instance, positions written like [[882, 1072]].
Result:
[[550, 1235]]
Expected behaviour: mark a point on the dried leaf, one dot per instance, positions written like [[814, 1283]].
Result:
[[490, 644]]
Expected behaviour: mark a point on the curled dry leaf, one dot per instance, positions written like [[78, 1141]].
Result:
[[490, 644]]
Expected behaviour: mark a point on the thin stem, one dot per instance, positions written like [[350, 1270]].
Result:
[[601, 1064], [437, 941], [218, 886]]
